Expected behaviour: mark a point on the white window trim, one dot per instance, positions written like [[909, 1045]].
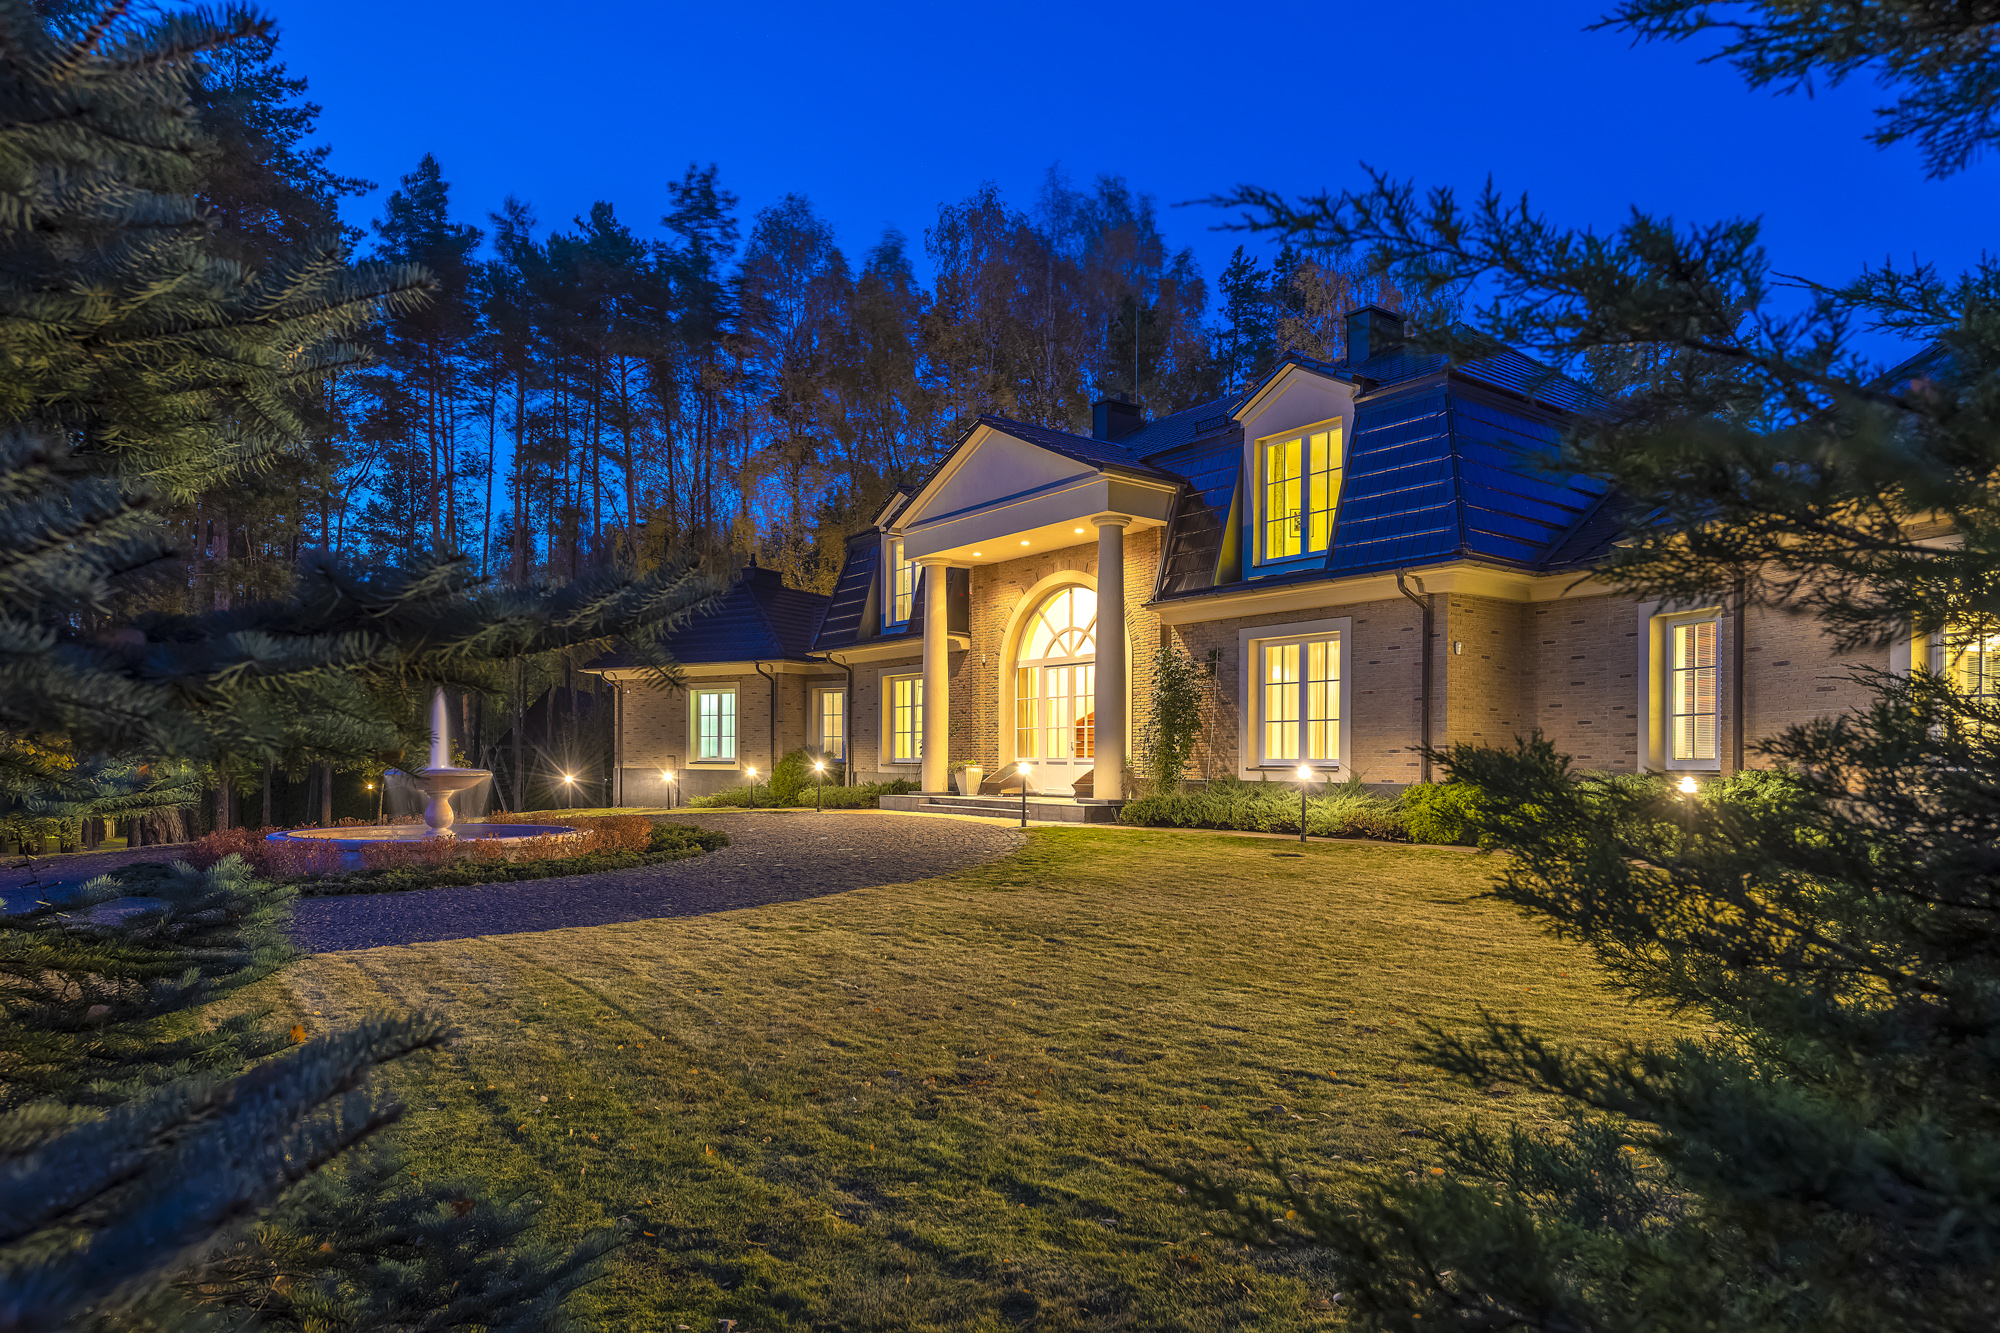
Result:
[[846, 720], [890, 541], [1304, 434], [1249, 654], [888, 750], [694, 725], [1654, 627]]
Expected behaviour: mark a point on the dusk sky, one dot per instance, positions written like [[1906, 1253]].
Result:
[[880, 113]]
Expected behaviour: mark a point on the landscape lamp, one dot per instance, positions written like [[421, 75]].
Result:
[[1305, 776], [667, 776], [753, 783], [1022, 769], [569, 790], [819, 788], [1688, 785]]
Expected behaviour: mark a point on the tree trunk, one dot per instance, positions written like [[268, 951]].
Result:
[[267, 794], [326, 794]]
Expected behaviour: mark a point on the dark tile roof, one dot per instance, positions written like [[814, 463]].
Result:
[[1180, 428], [1194, 542], [842, 626], [758, 619], [1082, 448]]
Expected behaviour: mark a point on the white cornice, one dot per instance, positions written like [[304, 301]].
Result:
[[1465, 578]]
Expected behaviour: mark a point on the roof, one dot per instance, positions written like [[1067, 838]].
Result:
[[842, 626], [758, 619], [1441, 467], [1102, 454]]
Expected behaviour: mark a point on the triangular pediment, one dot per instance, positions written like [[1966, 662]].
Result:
[[991, 467]]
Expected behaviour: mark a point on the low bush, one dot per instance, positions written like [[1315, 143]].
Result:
[[1442, 813], [1341, 811], [861, 796]]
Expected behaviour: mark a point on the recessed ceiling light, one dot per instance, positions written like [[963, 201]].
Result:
[[1024, 541], [1079, 529]]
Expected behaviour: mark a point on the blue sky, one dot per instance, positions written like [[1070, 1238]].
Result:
[[880, 113]]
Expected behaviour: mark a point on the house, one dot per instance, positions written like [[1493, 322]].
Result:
[[1375, 556]]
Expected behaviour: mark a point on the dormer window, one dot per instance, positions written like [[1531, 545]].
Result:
[[901, 587], [1298, 488]]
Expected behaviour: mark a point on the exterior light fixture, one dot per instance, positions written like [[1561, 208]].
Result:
[[1079, 529], [667, 776], [975, 553], [1688, 785], [1305, 779], [819, 788], [1023, 770], [1024, 541]]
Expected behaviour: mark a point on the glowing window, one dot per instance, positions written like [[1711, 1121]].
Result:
[[1971, 659], [1691, 693], [902, 598], [714, 725], [1299, 701], [833, 723], [1298, 492], [906, 719]]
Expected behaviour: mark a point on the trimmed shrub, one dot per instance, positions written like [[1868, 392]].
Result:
[[861, 796], [1342, 811], [1442, 813], [791, 774]]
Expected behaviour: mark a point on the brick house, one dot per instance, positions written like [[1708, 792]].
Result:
[[1374, 556]]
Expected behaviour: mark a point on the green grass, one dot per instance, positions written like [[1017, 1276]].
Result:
[[940, 1105]]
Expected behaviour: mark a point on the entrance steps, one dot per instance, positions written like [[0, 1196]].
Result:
[[1054, 809]]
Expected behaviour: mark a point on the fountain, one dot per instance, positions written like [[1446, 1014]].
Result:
[[437, 783]]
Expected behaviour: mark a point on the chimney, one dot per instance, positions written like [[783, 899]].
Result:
[[1115, 417], [1372, 331]]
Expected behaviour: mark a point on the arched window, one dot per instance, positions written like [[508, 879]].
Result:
[[1055, 712]]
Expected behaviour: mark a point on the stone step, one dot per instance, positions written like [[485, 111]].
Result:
[[1042, 809]]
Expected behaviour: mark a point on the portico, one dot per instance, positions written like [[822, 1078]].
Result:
[[1006, 492]]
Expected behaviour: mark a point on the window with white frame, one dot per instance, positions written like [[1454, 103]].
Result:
[[832, 721], [903, 717], [1971, 659], [1298, 700], [1298, 490], [1693, 712], [713, 723], [900, 589]]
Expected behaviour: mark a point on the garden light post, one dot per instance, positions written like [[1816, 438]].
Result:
[[753, 785], [1305, 787], [667, 776], [569, 791], [1022, 769], [819, 786]]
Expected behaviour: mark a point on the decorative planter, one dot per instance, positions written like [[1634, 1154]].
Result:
[[968, 781]]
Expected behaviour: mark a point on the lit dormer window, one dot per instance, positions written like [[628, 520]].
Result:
[[902, 587], [1298, 488]]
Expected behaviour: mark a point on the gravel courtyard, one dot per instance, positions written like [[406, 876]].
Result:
[[772, 858]]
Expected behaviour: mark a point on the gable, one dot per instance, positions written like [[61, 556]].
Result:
[[990, 467]]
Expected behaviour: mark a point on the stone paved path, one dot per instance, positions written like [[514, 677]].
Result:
[[773, 858]]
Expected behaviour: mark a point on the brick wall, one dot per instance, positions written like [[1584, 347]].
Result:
[[656, 731]]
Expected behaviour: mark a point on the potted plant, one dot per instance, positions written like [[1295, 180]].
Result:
[[968, 777]]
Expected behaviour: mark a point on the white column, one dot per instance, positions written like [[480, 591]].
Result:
[[937, 683], [1107, 781]]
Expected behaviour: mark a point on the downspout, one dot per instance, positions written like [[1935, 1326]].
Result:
[[1738, 631], [774, 716], [1423, 602]]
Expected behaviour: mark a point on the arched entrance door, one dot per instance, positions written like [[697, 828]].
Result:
[[1055, 702]]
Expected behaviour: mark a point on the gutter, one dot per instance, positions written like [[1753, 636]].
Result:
[[1423, 603]]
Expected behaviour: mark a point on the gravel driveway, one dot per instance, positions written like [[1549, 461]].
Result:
[[772, 858]]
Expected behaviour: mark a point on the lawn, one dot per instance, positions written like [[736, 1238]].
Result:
[[942, 1105]]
